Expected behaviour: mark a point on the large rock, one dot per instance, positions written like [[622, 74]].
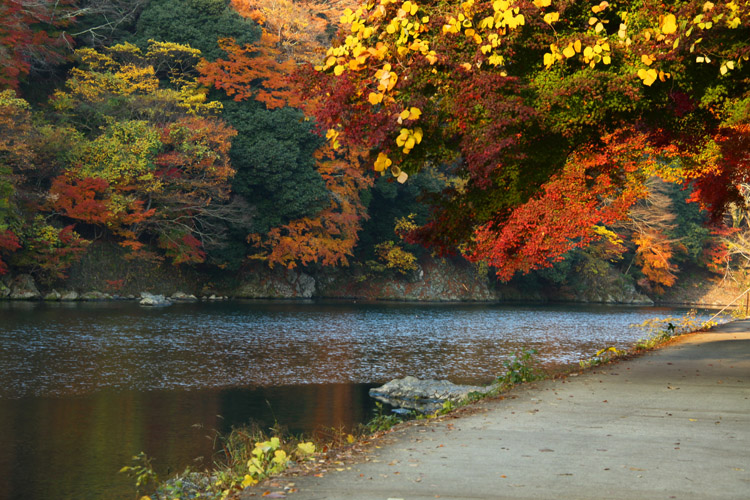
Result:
[[426, 396], [276, 283], [68, 296], [183, 297], [24, 288], [148, 299], [95, 296]]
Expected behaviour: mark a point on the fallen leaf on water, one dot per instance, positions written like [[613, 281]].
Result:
[[693, 419]]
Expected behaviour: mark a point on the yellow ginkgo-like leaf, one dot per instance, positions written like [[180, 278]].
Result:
[[669, 24], [402, 136], [551, 17], [418, 134], [647, 60], [496, 60], [569, 51], [375, 98], [382, 162], [599, 8], [648, 76]]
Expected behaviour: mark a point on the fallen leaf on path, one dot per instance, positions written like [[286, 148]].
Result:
[[546, 450]]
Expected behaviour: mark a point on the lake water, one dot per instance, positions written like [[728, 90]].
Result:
[[85, 386]]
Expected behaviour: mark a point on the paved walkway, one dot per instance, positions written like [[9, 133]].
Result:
[[674, 423]]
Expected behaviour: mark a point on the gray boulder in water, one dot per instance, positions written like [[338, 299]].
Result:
[[148, 299], [425, 396]]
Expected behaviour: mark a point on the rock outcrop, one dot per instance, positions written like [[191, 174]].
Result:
[[23, 287], [425, 396], [151, 300]]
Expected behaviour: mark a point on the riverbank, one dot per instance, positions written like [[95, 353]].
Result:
[[106, 274], [672, 423]]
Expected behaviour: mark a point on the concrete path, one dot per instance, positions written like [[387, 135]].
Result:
[[674, 423]]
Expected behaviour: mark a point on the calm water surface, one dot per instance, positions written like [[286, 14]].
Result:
[[83, 387]]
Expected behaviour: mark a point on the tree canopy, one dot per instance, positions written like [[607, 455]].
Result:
[[548, 116]]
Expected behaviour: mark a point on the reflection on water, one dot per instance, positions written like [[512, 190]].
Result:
[[72, 448], [83, 387]]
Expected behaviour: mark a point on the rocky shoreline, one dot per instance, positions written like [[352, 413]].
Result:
[[435, 280]]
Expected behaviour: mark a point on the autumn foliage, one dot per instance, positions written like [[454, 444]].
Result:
[[524, 104]]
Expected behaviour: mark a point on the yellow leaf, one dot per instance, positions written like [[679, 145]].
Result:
[[577, 45], [382, 162], [730, 64], [551, 17], [723, 70], [549, 60], [648, 76], [542, 3], [647, 60], [606, 60], [375, 98], [600, 8], [569, 51], [418, 134], [338, 70], [404, 114], [307, 448], [669, 24], [414, 113], [350, 438], [466, 66], [402, 177]]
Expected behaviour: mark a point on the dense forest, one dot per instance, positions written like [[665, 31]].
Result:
[[554, 138]]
